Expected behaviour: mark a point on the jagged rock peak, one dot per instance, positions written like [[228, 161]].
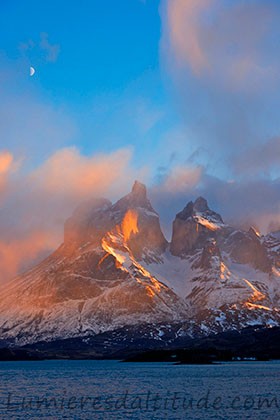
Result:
[[200, 204], [253, 233], [209, 251], [139, 190], [186, 212], [136, 198]]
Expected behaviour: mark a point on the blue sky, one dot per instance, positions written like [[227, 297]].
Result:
[[102, 71], [104, 44], [113, 74], [107, 66]]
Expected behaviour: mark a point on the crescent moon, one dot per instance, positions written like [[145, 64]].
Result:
[[31, 71]]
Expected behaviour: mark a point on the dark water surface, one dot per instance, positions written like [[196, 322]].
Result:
[[114, 390]]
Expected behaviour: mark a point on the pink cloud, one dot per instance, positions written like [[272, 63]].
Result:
[[6, 161], [184, 32], [181, 179], [71, 174], [224, 41], [17, 254]]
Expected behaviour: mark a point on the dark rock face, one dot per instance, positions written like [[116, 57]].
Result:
[[197, 226], [272, 245], [137, 198], [188, 232], [209, 251], [185, 235], [149, 236], [200, 205], [92, 220], [246, 248], [186, 213]]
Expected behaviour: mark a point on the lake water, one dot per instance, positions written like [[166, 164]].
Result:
[[115, 390]]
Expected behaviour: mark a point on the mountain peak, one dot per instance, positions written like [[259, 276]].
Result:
[[136, 198], [186, 212], [200, 204], [139, 190], [254, 233]]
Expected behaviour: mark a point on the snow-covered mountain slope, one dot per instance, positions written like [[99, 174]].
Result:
[[223, 272], [115, 268], [94, 282], [272, 244]]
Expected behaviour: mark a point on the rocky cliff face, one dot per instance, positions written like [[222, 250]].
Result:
[[148, 240], [248, 248], [94, 219], [193, 226], [115, 268]]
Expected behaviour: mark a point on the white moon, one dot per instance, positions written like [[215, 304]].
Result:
[[31, 71]]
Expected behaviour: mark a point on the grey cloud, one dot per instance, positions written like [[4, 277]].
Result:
[[260, 158], [240, 203], [52, 50]]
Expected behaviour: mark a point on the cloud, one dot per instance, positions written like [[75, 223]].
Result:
[[184, 34], [37, 201], [145, 114], [52, 50], [174, 186], [69, 174], [261, 157], [224, 64], [241, 203], [6, 159], [34, 49], [225, 67], [31, 126], [42, 176], [6, 163], [225, 41], [181, 179], [18, 254], [246, 202]]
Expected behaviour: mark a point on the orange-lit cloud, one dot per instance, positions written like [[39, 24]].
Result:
[[71, 174], [17, 254], [36, 203], [182, 179], [6, 161]]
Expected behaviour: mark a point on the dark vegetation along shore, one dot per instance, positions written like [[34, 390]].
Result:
[[253, 343], [193, 356]]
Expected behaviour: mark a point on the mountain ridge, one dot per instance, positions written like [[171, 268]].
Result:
[[116, 268]]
